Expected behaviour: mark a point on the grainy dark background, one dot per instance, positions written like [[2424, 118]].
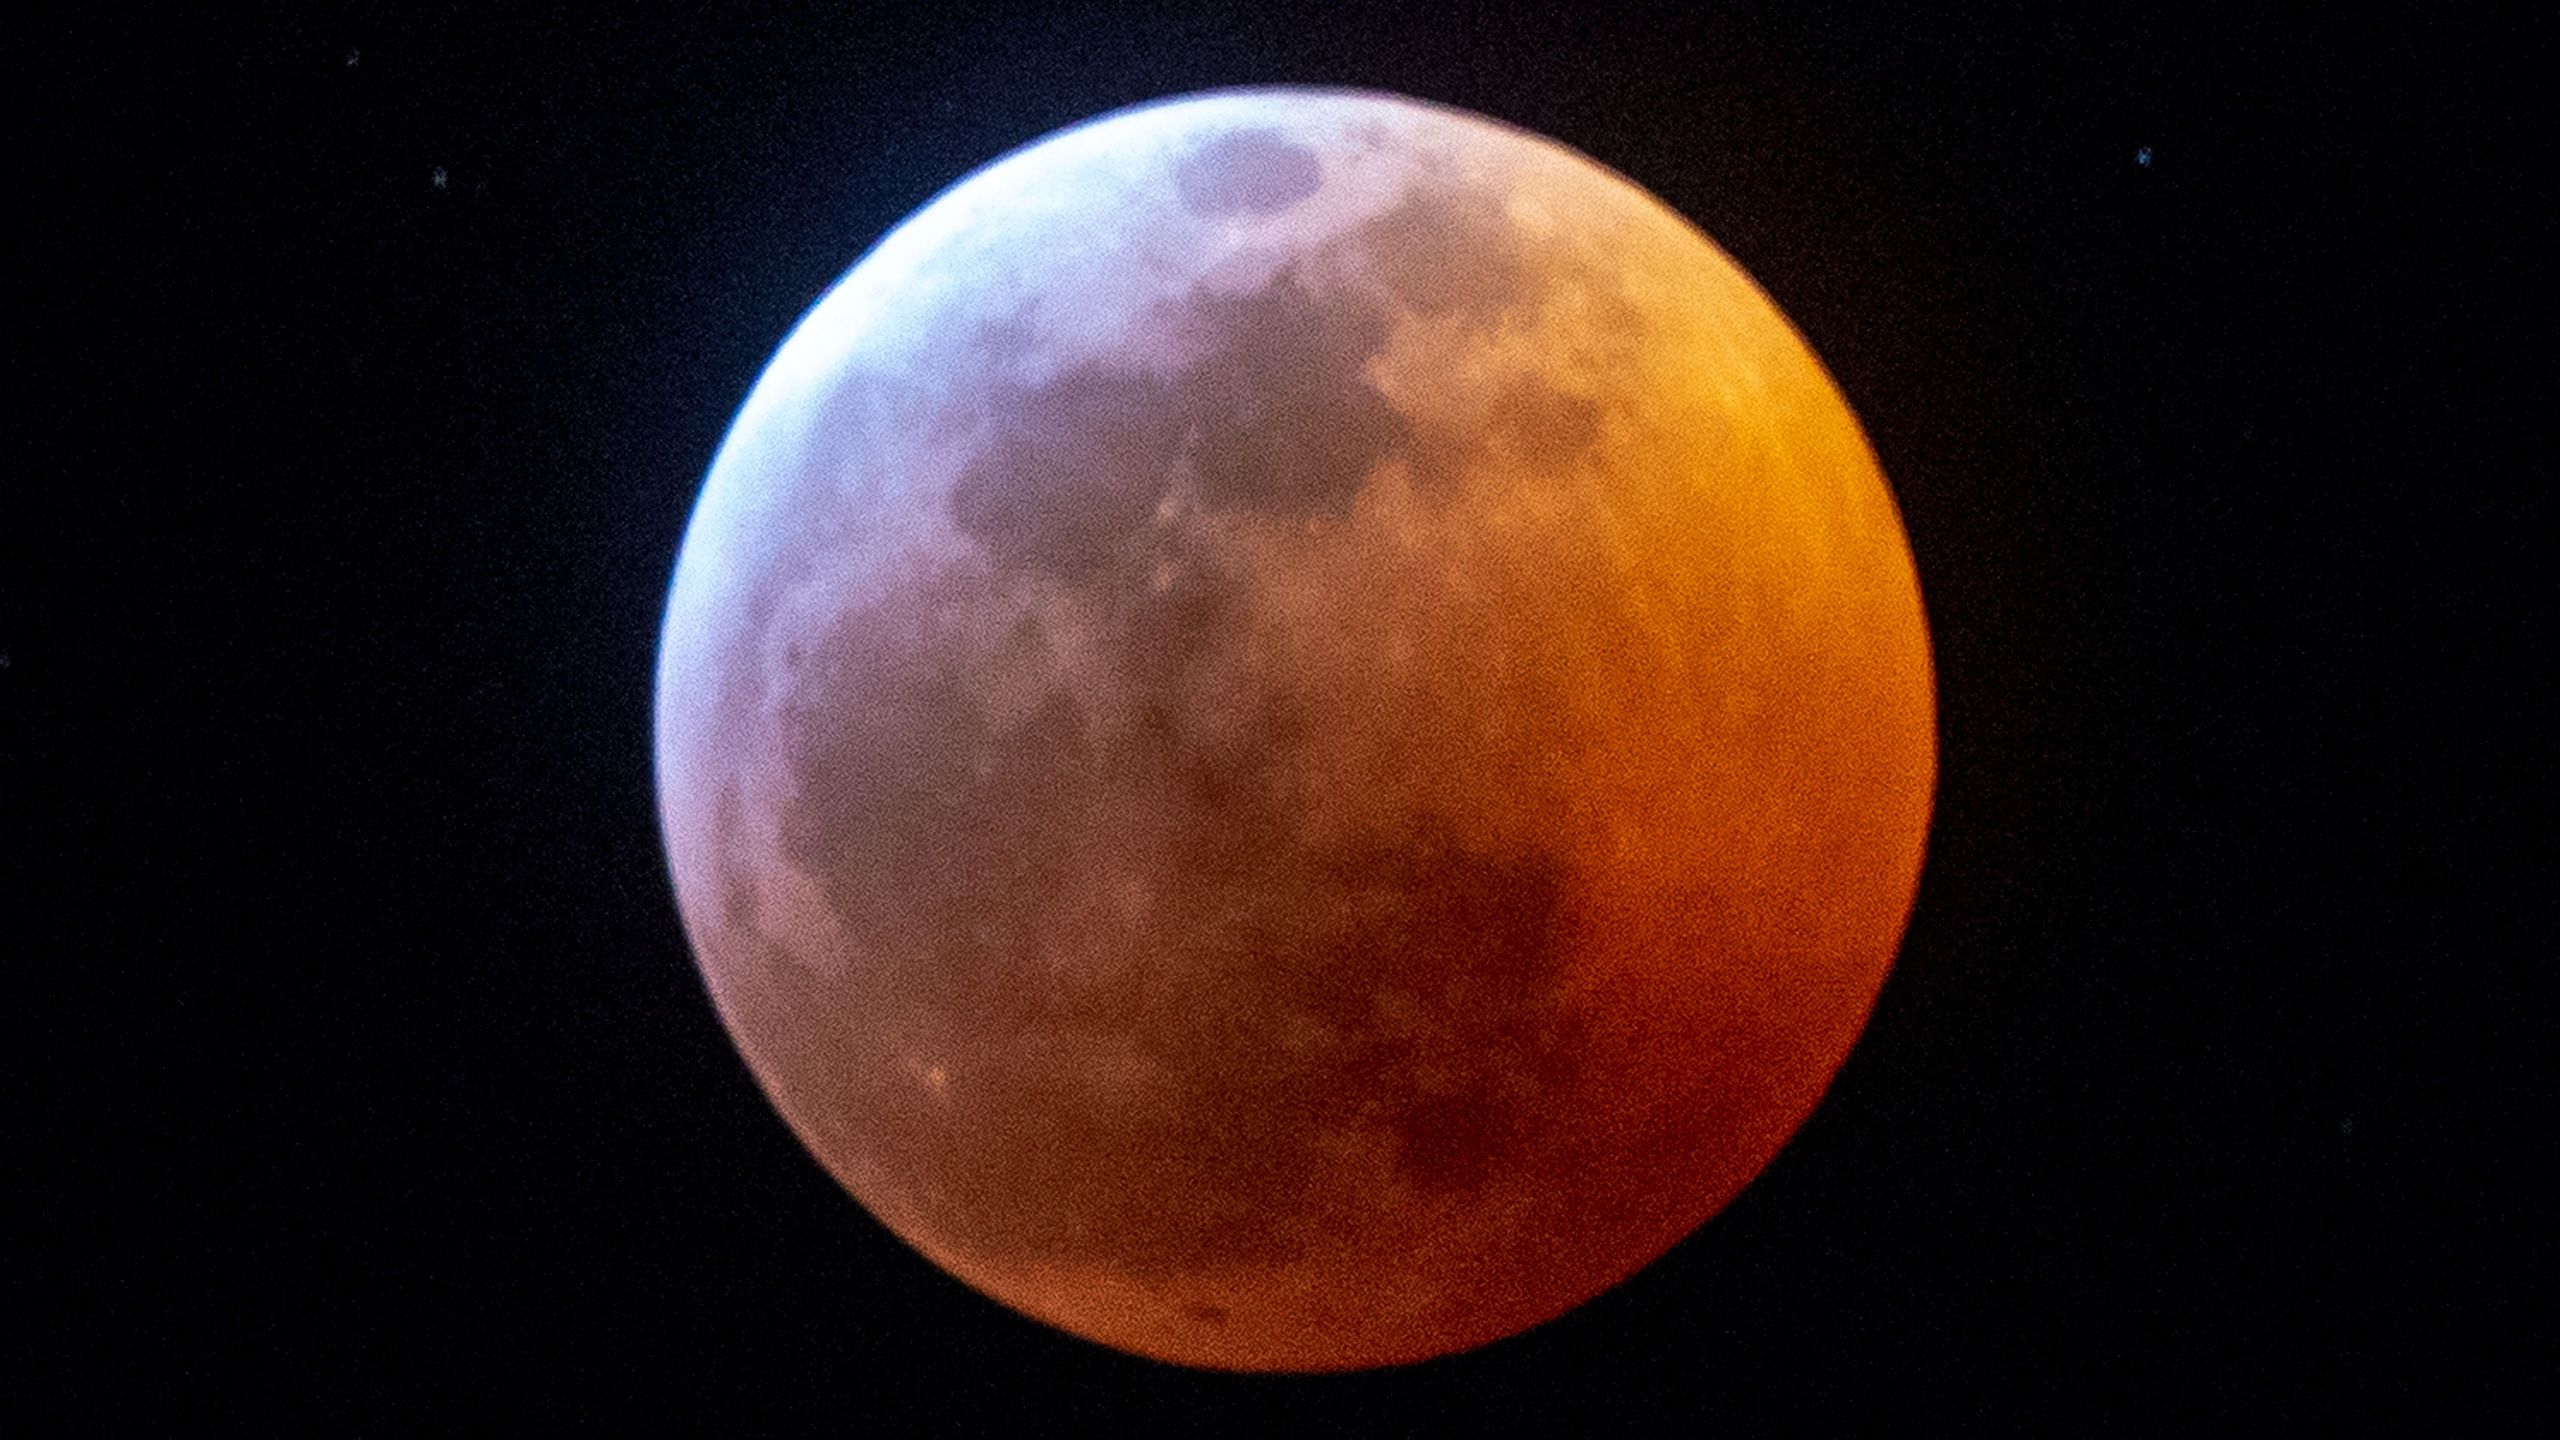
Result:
[[364, 1077]]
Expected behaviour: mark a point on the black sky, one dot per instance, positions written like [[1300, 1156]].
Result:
[[377, 353]]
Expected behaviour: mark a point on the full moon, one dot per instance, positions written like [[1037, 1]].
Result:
[[1294, 730]]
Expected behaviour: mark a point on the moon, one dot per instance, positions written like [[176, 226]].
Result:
[[1294, 730]]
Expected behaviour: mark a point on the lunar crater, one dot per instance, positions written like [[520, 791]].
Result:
[[1247, 172]]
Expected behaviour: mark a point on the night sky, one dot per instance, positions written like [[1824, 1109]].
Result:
[[376, 356]]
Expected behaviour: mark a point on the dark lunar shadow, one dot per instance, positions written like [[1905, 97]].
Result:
[[1077, 464], [1544, 426], [1289, 423], [1247, 172]]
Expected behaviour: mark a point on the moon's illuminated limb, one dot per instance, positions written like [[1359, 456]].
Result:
[[1294, 730]]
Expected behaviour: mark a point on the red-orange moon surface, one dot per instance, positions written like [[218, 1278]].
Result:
[[1294, 730]]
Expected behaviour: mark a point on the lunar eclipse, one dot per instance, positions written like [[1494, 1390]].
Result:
[[1294, 730], [1281, 784]]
